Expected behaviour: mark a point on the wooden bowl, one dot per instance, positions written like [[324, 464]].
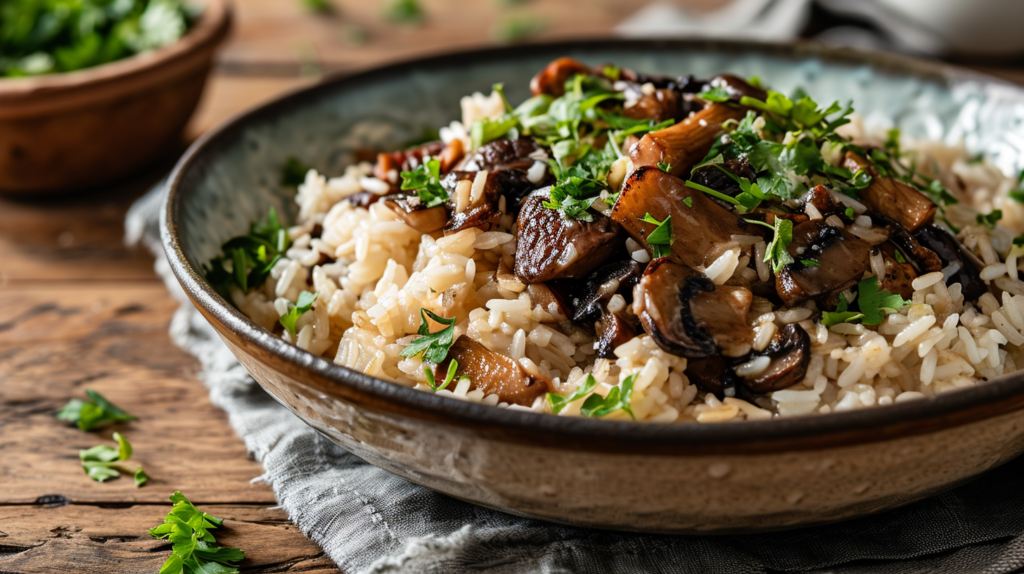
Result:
[[61, 132], [680, 478]]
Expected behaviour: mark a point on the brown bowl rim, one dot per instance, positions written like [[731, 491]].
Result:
[[39, 93], [999, 396]]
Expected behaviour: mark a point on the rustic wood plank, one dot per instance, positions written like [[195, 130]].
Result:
[[55, 342], [92, 540]]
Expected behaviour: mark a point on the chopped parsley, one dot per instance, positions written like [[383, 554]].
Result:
[[194, 549], [712, 192], [872, 303], [777, 253], [297, 309], [557, 402], [990, 220], [403, 11], [661, 238], [899, 257], [619, 398], [665, 167], [513, 29], [688, 201], [426, 181], [850, 213], [449, 376], [434, 346], [92, 412], [102, 462], [809, 263], [246, 260], [716, 94]]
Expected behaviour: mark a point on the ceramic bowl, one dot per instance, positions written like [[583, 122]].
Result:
[[687, 478], [62, 132]]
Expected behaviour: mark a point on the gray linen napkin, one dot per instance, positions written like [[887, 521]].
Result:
[[371, 521]]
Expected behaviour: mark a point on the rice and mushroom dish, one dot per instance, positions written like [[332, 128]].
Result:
[[633, 246]]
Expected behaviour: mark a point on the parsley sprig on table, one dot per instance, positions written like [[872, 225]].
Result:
[[194, 550], [434, 346], [246, 260], [102, 462], [51, 36], [92, 412]]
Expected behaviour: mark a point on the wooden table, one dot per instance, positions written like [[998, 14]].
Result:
[[79, 310]]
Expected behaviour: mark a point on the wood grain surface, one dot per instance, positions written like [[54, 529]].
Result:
[[79, 310]]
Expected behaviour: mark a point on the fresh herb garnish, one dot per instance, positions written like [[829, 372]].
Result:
[[515, 29], [557, 402], [449, 376], [102, 462], [665, 167], [840, 315], [661, 238], [426, 181], [688, 201], [850, 213], [990, 220], [716, 94], [899, 257], [712, 192], [777, 253], [297, 309], [873, 305], [434, 346], [195, 550], [403, 11], [92, 412], [293, 172], [318, 6], [810, 263], [246, 260], [618, 398], [52, 36]]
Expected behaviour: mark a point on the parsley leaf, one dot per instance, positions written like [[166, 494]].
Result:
[[991, 219], [194, 550], [297, 309], [777, 253], [712, 192], [840, 315], [250, 257], [426, 180], [850, 213], [716, 94], [661, 238], [557, 403], [810, 263], [102, 462], [449, 377], [665, 167], [434, 346], [92, 412], [489, 129], [403, 11], [875, 304], [619, 397], [293, 172]]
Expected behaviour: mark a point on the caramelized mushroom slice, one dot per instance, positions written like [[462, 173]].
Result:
[[482, 209], [613, 330], [551, 80], [898, 277], [658, 106], [550, 246], [688, 316], [702, 231], [415, 214], [548, 300], [504, 154], [587, 295], [789, 354], [684, 144], [842, 259], [962, 263], [493, 373], [892, 198], [925, 260], [821, 199], [713, 375]]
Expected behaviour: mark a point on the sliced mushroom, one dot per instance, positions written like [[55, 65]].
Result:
[[702, 231], [551, 80], [550, 246], [482, 209], [504, 154], [493, 373], [789, 354], [587, 296], [962, 264], [415, 214], [841, 260], [925, 260], [821, 199], [714, 177], [657, 106], [684, 144], [613, 329], [363, 199], [713, 375], [687, 315], [892, 198], [898, 277], [549, 301]]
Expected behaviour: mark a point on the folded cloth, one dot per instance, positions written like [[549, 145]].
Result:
[[368, 520]]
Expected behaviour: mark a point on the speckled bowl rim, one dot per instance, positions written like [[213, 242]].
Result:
[[998, 396]]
